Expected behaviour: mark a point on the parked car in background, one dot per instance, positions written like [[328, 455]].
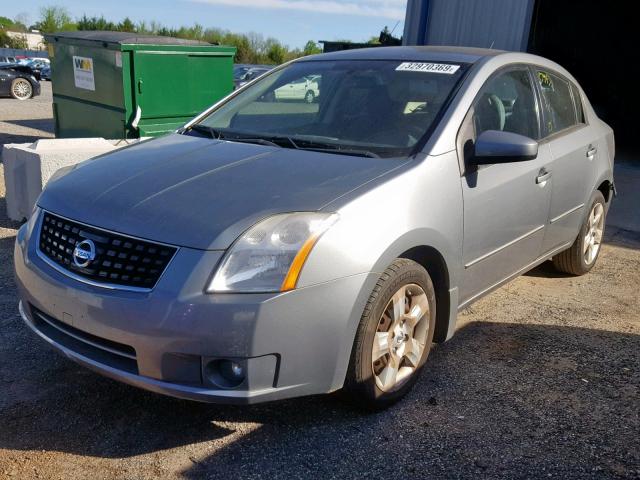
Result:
[[276, 248], [18, 81], [239, 69], [45, 74], [5, 59], [248, 75], [36, 66], [306, 88], [43, 60]]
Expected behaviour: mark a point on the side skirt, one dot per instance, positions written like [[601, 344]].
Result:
[[525, 269]]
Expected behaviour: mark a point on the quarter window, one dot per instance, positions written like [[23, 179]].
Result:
[[578, 102], [557, 101], [507, 103]]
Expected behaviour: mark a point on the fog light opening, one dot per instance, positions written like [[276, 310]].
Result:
[[225, 373]]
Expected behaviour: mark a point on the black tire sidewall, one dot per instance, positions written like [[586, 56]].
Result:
[[408, 273]]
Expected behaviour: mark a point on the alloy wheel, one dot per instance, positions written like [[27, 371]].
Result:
[[592, 240], [400, 338], [21, 89]]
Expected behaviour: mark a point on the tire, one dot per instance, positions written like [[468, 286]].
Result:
[[21, 89], [309, 97], [368, 382], [580, 257]]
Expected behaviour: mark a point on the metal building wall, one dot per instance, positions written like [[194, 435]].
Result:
[[499, 24]]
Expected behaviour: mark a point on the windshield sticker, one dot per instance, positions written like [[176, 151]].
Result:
[[545, 81], [428, 67]]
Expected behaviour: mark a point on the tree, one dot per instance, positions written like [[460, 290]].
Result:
[[54, 19], [243, 47], [126, 25], [21, 20], [275, 51], [13, 25], [95, 23], [311, 48], [12, 41], [250, 48]]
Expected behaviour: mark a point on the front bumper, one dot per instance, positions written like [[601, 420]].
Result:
[[36, 88], [291, 344]]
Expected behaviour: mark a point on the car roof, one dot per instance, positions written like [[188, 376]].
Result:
[[411, 54]]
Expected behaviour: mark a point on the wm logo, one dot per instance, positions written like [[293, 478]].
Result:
[[82, 63]]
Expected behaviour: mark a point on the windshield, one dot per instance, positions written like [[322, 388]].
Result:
[[377, 108]]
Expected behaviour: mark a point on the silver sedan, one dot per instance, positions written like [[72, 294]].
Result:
[[277, 247]]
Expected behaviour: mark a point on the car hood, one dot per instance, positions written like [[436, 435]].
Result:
[[202, 193]]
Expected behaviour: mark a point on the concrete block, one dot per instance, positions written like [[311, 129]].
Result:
[[28, 167]]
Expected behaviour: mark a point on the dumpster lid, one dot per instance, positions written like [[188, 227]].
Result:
[[124, 38]]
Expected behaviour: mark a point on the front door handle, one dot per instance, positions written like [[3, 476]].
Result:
[[543, 176], [591, 152]]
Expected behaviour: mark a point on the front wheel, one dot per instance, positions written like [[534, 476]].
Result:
[[582, 255], [394, 336], [310, 96], [21, 89]]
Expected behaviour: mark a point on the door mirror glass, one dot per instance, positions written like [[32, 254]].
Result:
[[495, 146]]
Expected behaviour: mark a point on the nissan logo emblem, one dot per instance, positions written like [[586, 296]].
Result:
[[84, 253]]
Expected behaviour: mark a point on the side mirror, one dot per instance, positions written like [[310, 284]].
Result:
[[495, 146]]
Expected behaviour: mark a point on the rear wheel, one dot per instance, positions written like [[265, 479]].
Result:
[[21, 89], [582, 255], [394, 336]]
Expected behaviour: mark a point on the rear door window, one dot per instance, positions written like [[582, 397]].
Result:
[[557, 102]]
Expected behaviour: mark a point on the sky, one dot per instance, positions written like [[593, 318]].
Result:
[[293, 22]]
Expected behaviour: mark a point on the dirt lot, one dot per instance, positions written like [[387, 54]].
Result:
[[540, 381], [26, 121]]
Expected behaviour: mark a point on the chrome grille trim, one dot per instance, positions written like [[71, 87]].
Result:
[[89, 281]]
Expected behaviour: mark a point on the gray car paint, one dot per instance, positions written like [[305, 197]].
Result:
[[183, 190], [486, 230]]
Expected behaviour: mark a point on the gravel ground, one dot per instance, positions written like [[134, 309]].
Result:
[[28, 120], [540, 381]]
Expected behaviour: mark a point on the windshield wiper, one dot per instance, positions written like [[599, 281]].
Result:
[[332, 148], [234, 137], [301, 144], [258, 141], [343, 151], [212, 132], [282, 141]]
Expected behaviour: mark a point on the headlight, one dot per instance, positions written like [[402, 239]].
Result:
[[269, 256]]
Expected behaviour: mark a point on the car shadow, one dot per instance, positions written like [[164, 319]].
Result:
[[621, 237], [39, 126], [613, 236], [497, 399], [44, 124], [546, 270]]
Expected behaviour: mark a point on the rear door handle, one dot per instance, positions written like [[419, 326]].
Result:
[[591, 151], [543, 176]]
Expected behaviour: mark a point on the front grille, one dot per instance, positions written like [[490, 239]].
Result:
[[119, 260], [101, 350]]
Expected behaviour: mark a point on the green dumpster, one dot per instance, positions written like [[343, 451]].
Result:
[[125, 85]]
